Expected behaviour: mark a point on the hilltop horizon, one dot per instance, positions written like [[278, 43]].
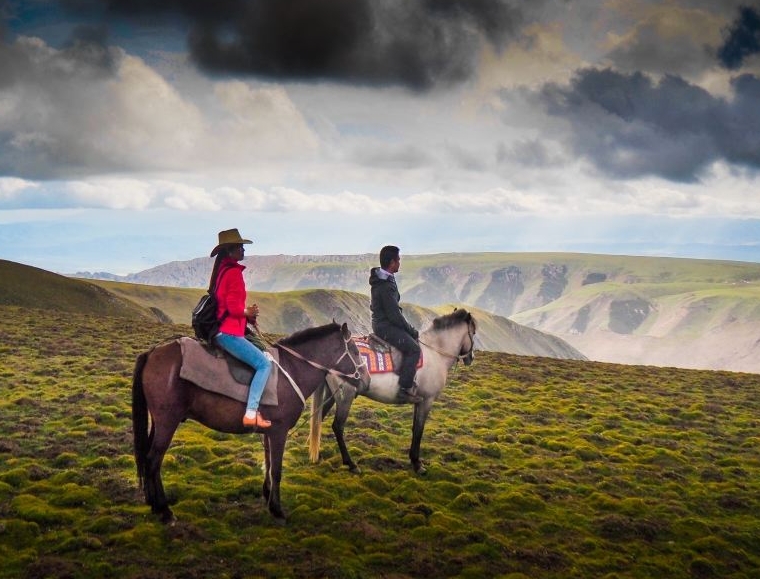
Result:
[[371, 257], [689, 313]]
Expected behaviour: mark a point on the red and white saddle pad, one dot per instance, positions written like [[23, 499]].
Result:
[[379, 361]]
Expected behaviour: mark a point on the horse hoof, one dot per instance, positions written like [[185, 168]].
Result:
[[354, 469], [278, 515], [169, 519], [279, 518], [420, 469]]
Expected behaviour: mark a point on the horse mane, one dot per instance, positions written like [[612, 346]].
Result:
[[456, 317], [309, 334]]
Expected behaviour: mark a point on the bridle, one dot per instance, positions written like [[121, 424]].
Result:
[[471, 352], [458, 357], [356, 376]]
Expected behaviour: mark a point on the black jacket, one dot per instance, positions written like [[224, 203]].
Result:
[[385, 304]]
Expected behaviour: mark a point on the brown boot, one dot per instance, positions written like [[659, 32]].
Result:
[[255, 420]]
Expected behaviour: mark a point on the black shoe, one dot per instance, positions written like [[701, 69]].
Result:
[[408, 395]]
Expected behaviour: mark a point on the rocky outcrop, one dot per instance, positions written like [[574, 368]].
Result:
[[554, 282]]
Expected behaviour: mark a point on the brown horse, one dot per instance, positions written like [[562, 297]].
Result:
[[159, 393]]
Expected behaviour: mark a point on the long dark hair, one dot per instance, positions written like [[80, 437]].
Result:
[[223, 252]]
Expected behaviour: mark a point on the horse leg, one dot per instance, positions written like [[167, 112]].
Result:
[[319, 409], [153, 486], [342, 408], [267, 486], [421, 412], [274, 452]]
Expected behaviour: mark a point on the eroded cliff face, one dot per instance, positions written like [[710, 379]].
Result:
[[503, 291]]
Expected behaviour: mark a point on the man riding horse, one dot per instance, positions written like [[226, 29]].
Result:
[[388, 321]]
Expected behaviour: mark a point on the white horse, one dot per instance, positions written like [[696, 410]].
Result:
[[451, 338]]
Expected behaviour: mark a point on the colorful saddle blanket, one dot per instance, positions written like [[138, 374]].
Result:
[[380, 357], [213, 370]]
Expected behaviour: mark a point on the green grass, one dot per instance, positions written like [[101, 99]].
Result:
[[536, 468]]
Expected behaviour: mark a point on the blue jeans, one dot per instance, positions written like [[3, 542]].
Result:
[[246, 352]]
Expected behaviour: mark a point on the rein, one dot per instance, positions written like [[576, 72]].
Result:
[[355, 376]]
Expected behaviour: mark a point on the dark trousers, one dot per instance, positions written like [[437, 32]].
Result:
[[408, 346]]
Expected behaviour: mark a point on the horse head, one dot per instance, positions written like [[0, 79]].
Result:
[[460, 320], [329, 348], [357, 373], [467, 349], [467, 352]]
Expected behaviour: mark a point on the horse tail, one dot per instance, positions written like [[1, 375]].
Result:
[[142, 438], [315, 434]]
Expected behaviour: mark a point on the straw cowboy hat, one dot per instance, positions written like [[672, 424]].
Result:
[[229, 237]]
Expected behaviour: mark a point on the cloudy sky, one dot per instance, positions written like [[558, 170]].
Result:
[[132, 131]]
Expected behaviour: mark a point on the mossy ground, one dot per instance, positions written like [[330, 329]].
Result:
[[536, 468]]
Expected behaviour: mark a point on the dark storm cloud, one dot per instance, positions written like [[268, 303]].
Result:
[[630, 126], [417, 44], [741, 40], [50, 98]]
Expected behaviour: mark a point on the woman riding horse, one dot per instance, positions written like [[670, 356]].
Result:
[[161, 395]]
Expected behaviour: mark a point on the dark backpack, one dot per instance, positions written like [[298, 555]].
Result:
[[204, 320]]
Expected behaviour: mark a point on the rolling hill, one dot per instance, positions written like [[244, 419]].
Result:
[[30, 287], [282, 312], [689, 313]]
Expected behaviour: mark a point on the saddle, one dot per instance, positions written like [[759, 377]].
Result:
[[379, 356], [215, 370]]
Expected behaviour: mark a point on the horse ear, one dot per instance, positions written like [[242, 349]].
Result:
[[346, 331]]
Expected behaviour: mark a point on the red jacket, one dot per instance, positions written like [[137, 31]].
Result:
[[231, 294]]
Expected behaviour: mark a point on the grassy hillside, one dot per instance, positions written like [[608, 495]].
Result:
[[23, 285], [536, 468]]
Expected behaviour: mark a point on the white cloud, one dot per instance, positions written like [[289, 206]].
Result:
[[261, 124], [13, 186], [107, 193], [144, 121], [734, 197]]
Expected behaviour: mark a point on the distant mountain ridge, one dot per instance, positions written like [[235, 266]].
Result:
[[689, 313], [282, 312]]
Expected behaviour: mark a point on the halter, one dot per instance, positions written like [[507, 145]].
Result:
[[357, 365]]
